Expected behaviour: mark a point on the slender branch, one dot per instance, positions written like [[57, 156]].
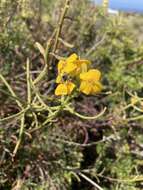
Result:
[[14, 115], [43, 104], [135, 118], [67, 108], [11, 91], [93, 48], [59, 28], [12, 97], [90, 181], [45, 70], [71, 143], [56, 33], [65, 9], [20, 135], [28, 82], [132, 179]]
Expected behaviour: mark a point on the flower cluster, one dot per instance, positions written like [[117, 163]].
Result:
[[73, 72]]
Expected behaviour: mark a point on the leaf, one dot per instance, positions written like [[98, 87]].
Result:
[[41, 49]]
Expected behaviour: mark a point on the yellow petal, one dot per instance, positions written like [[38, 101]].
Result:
[[70, 87], [61, 90], [65, 88], [61, 65], [85, 87], [72, 58], [97, 88], [58, 79], [91, 75], [70, 67]]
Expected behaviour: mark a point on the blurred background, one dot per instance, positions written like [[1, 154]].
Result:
[[124, 5]]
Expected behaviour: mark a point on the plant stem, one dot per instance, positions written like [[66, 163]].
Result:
[[59, 28], [20, 135], [28, 82], [90, 181], [82, 116], [11, 91]]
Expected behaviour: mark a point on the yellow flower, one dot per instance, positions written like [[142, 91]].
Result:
[[64, 88], [72, 65], [90, 82], [61, 65]]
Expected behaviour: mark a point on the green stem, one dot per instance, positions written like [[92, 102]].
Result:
[[28, 82], [11, 91], [20, 135], [45, 70], [135, 118], [14, 115], [59, 28], [90, 181], [85, 117]]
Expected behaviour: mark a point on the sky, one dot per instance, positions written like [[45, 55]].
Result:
[[125, 5]]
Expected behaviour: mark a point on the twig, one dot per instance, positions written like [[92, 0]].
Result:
[[43, 104], [66, 43], [90, 181], [59, 28], [132, 179], [14, 115], [45, 70], [28, 82], [71, 143], [134, 118], [12, 97], [20, 135], [95, 46], [60, 24], [11, 91], [68, 108]]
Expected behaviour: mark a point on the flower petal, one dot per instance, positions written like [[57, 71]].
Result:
[[85, 87], [59, 79], [72, 58], [97, 88], [61, 90], [65, 88], [70, 67], [70, 87], [91, 75], [61, 65]]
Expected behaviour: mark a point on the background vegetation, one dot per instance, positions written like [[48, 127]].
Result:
[[70, 152]]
